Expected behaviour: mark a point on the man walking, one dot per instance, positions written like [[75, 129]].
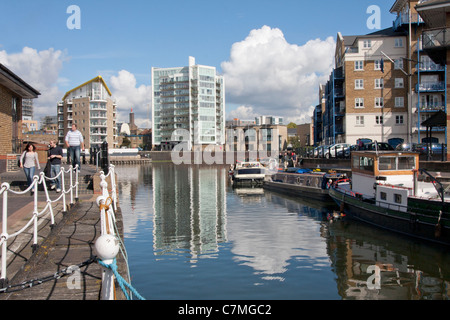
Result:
[[55, 155], [74, 140]]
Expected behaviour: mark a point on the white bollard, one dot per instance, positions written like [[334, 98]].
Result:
[[107, 247]]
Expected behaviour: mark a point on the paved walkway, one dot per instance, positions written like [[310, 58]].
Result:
[[69, 243]]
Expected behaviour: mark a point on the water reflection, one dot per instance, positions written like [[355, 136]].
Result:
[[261, 244]]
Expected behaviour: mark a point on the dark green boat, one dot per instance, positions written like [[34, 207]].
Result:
[[388, 190]]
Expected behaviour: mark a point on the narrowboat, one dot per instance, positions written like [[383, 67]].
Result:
[[303, 183], [389, 190]]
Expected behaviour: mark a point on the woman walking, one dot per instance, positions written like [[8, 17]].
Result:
[[29, 161]]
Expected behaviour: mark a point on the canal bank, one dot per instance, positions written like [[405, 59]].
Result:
[[64, 266]]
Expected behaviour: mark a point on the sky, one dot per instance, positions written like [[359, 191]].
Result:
[[272, 54]]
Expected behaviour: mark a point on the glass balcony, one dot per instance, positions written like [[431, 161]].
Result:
[[430, 86], [436, 38], [403, 18]]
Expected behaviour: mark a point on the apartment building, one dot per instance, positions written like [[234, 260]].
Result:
[[366, 94], [425, 24], [246, 135], [90, 106], [188, 105]]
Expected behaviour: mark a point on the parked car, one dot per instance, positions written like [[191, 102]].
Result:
[[320, 152], [333, 150], [363, 141], [378, 146], [348, 151], [436, 148]]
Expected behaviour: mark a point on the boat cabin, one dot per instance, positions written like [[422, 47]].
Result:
[[386, 167]]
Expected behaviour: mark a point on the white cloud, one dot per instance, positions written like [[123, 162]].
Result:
[[277, 78], [130, 96], [40, 69], [243, 113]]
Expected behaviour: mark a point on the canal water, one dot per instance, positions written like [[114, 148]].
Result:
[[191, 236]]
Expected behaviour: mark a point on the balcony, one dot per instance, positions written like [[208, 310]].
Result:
[[431, 108], [436, 38], [430, 86], [403, 19], [430, 67]]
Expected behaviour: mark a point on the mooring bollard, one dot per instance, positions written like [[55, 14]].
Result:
[[107, 248]]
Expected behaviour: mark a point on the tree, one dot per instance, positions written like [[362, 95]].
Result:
[[126, 142], [292, 125]]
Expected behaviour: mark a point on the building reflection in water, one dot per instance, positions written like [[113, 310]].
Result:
[[189, 205], [193, 210]]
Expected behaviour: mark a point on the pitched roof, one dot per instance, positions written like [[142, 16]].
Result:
[[16, 84], [98, 78]]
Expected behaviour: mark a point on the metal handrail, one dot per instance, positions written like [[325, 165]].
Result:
[[37, 180]]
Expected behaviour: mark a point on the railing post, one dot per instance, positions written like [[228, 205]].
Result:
[[35, 214], [76, 184], [3, 278], [107, 248], [71, 185], [63, 188]]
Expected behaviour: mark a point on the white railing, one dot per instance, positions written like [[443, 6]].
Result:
[[48, 210], [109, 243]]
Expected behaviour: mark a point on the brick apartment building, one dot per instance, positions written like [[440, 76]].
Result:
[[12, 91], [388, 83], [90, 106]]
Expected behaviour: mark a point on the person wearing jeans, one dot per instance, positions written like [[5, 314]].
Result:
[[29, 161], [74, 140], [55, 155]]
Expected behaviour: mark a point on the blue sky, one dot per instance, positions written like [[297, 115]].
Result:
[[122, 40]]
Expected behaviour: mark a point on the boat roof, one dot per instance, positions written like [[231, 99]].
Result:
[[376, 154]]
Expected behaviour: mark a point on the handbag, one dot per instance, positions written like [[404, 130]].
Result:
[[48, 169]]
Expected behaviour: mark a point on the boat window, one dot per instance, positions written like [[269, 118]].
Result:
[[397, 198], [406, 163], [383, 196], [387, 163], [366, 163]]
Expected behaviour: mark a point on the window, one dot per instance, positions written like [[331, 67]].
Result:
[[359, 102], [383, 196], [360, 120], [378, 102], [397, 198], [399, 120], [377, 65], [359, 84], [387, 163], [359, 65], [398, 64], [378, 83], [398, 42], [399, 102], [399, 83], [367, 44], [379, 119]]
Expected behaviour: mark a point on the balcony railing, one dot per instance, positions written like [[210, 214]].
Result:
[[436, 38], [430, 86], [430, 66], [431, 108], [403, 18]]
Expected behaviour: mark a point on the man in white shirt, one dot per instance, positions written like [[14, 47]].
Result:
[[74, 140]]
